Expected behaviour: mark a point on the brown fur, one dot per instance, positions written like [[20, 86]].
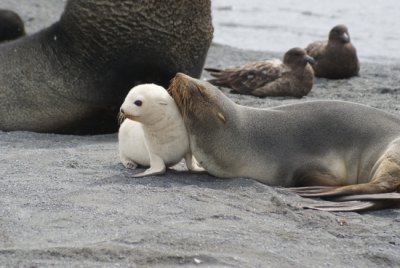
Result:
[[189, 97]]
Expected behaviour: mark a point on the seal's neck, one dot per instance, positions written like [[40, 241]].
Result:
[[169, 120]]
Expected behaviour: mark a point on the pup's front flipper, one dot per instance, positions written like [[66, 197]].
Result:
[[128, 163], [192, 164], [157, 167]]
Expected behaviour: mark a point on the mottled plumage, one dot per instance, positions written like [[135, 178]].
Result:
[[292, 77], [335, 58]]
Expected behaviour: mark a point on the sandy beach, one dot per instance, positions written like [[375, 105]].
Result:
[[67, 201]]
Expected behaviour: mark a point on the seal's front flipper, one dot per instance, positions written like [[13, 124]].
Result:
[[149, 172], [192, 164], [128, 163], [157, 167]]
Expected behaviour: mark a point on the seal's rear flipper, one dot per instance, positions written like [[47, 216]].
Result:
[[357, 189], [359, 202], [312, 191], [370, 197], [342, 206]]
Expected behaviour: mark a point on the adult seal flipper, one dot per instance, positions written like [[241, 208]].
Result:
[[73, 76], [357, 202], [314, 144]]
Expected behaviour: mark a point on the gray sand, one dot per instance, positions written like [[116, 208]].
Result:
[[67, 201]]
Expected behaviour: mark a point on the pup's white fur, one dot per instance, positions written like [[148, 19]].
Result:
[[153, 133]]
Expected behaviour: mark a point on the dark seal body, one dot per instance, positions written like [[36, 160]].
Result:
[[73, 76], [349, 148]]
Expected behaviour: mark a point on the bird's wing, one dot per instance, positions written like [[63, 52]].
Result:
[[249, 76], [316, 49]]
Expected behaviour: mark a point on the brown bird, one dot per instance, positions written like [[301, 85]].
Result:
[[335, 58], [292, 77]]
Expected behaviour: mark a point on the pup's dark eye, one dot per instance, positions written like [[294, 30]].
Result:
[[138, 103]]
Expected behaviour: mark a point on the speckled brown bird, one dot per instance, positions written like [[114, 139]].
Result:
[[335, 58], [292, 77]]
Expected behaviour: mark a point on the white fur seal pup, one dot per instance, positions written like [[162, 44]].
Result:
[[154, 133], [334, 148]]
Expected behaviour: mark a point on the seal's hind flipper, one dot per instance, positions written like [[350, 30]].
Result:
[[312, 191], [344, 206], [358, 202], [370, 197], [357, 189]]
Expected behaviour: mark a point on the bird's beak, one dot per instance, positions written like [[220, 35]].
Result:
[[309, 59], [345, 38]]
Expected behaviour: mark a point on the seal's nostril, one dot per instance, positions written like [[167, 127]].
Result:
[[121, 110]]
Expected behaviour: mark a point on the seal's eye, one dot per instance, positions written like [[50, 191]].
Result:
[[138, 103]]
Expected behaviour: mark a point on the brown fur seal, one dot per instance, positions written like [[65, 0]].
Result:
[[335, 58], [73, 76], [292, 77], [342, 148], [11, 25]]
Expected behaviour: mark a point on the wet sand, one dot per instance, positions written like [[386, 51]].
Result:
[[66, 201]]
